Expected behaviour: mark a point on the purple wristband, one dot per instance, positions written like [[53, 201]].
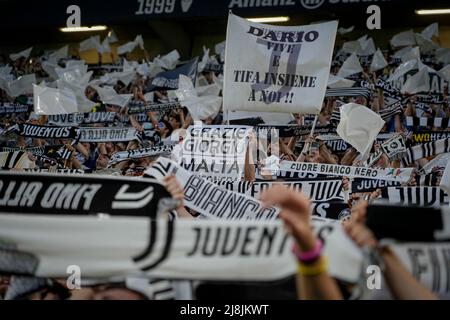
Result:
[[308, 256]]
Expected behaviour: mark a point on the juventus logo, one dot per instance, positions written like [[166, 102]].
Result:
[[160, 239], [132, 200]]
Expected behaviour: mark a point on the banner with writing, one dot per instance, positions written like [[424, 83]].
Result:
[[276, 68]]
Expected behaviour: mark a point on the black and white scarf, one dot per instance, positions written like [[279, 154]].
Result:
[[9, 160], [385, 114], [295, 130], [349, 92], [141, 107], [81, 118], [44, 132], [428, 122], [6, 108], [425, 150], [56, 151], [140, 153], [107, 134]]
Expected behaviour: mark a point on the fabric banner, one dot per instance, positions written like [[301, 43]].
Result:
[[79, 194], [81, 118], [134, 108], [425, 150], [317, 190], [112, 134], [276, 68], [139, 153], [182, 249], [369, 185], [418, 196], [215, 152], [14, 108], [389, 174], [208, 198], [45, 132], [385, 114]]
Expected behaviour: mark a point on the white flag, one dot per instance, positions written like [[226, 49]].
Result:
[[58, 55], [419, 82], [109, 96], [49, 101], [25, 54], [277, 69], [21, 85], [91, 43], [127, 47], [445, 72], [378, 61], [350, 66], [430, 31], [406, 38], [359, 126], [338, 82]]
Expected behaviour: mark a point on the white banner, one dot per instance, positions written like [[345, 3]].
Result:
[[277, 68], [215, 152], [390, 174]]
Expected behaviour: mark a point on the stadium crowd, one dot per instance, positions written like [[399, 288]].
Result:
[[407, 116]]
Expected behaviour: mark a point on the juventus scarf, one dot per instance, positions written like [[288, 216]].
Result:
[[140, 107], [385, 114], [81, 118], [317, 190], [369, 185], [191, 249], [427, 122], [79, 194], [56, 151], [14, 108], [44, 132], [294, 130], [183, 249], [348, 92], [108, 134], [208, 198], [431, 99], [388, 89], [425, 150], [140, 153], [55, 170], [418, 196], [10, 160], [390, 174]]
